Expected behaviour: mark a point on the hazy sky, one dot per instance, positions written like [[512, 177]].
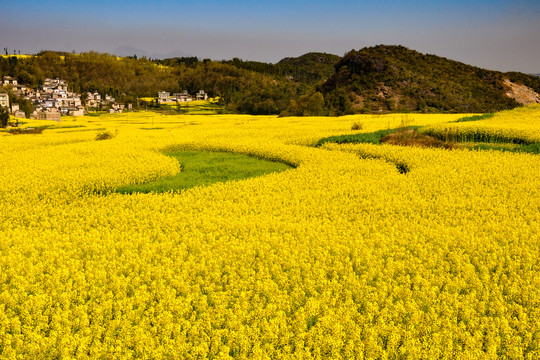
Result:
[[498, 35]]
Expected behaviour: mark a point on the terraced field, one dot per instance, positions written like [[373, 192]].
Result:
[[343, 255]]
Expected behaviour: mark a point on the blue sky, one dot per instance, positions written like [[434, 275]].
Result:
[[499, 35]]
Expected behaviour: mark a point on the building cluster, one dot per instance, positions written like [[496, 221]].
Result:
[[165, 97], [52, 100]]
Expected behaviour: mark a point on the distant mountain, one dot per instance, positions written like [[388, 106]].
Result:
[[125, 51], [394, 78]]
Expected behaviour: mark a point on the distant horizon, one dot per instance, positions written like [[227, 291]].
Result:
[[494, 35]]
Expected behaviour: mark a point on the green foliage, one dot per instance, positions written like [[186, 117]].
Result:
[[369, 138], [204, 168], [4, 116], [533, 148], [190, 61], [338, 103], [475, 117], [307, 105], [310, 68]]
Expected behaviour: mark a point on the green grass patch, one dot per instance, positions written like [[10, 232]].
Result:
[[533, 148], [475, 117], [367, 138], [205, 168]]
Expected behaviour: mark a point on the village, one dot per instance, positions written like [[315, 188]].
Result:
[[165, 97], [52, 100]]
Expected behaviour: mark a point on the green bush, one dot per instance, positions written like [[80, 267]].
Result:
[[4, 116]]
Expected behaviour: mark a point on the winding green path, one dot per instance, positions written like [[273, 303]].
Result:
[[205, 168]]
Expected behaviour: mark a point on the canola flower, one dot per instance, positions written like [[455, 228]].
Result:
[[342, 257], [521, 126]]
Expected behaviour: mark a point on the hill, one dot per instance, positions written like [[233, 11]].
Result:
[[310, 68], [394, 78], [129, 78], [376, 79]]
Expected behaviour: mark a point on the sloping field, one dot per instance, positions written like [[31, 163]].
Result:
[[344, 256]]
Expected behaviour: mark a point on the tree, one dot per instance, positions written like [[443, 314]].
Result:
[[315, 105], [4, 116]]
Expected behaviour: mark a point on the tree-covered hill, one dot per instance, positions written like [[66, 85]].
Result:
[[240, 89], [394, 78]]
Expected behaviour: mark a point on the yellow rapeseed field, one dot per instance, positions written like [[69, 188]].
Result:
[[342, 257], [521, 125]]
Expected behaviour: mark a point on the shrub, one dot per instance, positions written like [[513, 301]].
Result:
[[106, 135], [357, 126]]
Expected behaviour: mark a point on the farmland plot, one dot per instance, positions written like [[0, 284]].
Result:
[[341, 256]]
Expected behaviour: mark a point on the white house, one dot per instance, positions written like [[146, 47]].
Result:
[[182, 97], [8, 80], [164, 96], [201, 95]]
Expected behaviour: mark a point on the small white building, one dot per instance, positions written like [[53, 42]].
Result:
[[182, 97], [201, 95], [76, 111], [8, 80], [109, 99], [164, 97]]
